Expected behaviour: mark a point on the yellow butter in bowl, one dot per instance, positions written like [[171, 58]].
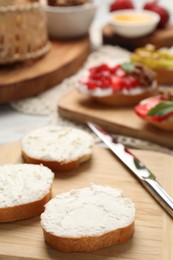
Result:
[[133, 18]]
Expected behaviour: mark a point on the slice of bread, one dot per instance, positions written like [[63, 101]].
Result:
[[121, 98], [126, 99], [59, 148], [88, 219], [166, 125], [24, 190], [164, 76]]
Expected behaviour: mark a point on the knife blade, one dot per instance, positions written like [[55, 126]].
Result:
[[139, 170]]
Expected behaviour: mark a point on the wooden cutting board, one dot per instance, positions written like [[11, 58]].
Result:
[[153, 238], [123, 121], [159, 38], [23, 80]]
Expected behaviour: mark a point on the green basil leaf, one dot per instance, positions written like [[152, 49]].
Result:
[[128, 67], [163, 108]]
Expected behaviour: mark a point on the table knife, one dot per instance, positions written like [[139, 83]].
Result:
[[139, 170]]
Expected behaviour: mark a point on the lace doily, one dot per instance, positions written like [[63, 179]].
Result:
[[46, 103]]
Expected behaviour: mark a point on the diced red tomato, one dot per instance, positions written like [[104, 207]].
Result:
[[105, 76], [117, 83], [99, 69], [91, 85], [133, 81], [120, 73]]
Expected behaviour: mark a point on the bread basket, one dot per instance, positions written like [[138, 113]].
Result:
[[23, 31]]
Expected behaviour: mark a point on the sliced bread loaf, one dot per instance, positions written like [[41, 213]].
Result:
[[59, 148], [88, 219], [24, 190]]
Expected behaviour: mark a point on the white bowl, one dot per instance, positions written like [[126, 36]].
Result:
[[70, 22], [134, 23]]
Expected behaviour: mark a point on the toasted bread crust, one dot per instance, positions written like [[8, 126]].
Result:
[[55, 165], [24, 211], [164, 76], [89, 243], [165, 125], [124, 99]]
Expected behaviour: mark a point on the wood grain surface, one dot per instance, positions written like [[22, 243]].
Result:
[[153, 238], [78, 107], [23, 80], [159, 38]]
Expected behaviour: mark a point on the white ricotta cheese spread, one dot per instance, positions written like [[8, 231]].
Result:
[[62, 144], [23, 183], [89, 211]]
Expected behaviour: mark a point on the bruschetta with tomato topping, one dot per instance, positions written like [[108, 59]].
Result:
[[157, 110], [120, 85]]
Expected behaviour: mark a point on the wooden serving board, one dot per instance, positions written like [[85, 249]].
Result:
[[153, 238], [159, 38], [23, 80], [124, 121]]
